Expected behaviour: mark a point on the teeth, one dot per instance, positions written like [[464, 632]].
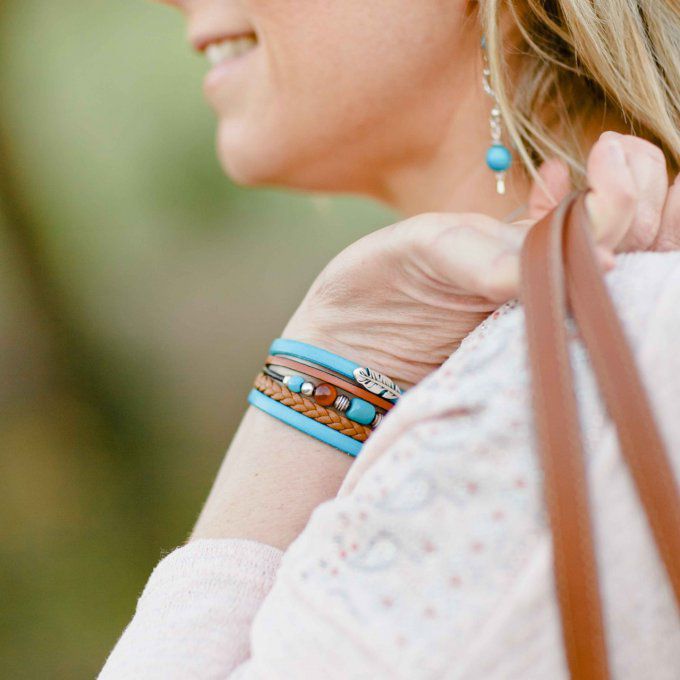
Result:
[[228, 49]]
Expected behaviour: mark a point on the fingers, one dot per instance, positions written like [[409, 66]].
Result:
[[469, 256], [629, 182], [668, 237], [476, 255], [556, 185], [627, 203], [613, 191], [460, 257], [648, 165]]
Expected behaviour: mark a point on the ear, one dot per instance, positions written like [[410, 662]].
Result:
[[555, 176]]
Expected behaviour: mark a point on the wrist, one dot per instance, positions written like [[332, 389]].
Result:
[[352, 346]]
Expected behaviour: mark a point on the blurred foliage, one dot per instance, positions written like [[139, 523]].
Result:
[[136, 303]]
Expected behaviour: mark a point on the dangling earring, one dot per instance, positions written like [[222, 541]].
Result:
[[498, 156]]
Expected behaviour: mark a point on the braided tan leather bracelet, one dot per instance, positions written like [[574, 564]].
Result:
[[308, 407]]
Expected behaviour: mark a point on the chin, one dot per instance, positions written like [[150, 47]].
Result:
[[241, 172], [264, 156], [252, 162], [243, 158]]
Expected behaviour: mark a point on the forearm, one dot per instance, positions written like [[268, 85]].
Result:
[[271, 479], [273, 475]]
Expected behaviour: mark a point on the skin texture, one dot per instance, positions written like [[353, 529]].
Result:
[[381, 98], [384, 99]]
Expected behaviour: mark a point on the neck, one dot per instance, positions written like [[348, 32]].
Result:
[[459, 182], [450, 173]]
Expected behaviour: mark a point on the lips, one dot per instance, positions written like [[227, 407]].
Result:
[[229, 57]]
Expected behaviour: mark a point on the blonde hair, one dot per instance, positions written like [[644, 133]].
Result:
[[557, 65]]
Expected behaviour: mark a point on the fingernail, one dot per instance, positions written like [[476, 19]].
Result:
[[610, 133]]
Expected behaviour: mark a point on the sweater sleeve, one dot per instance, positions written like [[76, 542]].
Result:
[[193, 619]]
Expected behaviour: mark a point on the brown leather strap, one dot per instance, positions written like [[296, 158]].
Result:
[[560, 449], [332, 378], [623, 392], [561, 246]]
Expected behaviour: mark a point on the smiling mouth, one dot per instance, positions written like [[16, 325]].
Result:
[[226, 49]]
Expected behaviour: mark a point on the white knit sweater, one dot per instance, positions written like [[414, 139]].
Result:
[[434, 559]]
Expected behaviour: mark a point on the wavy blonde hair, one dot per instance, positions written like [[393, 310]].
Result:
[[556, 65]]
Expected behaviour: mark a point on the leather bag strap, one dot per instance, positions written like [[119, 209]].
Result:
[[627, 402], [560, 448], [559, 265]]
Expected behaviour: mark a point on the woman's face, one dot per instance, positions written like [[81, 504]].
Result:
[[333, 94]]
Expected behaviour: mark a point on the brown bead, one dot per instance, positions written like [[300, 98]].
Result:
[[325, 394]]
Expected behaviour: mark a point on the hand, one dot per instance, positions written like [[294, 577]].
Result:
[[402, 298]]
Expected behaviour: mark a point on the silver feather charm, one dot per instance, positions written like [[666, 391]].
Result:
[[377, 383]]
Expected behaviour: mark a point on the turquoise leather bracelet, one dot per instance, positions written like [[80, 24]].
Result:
[[322, 357], [367, 378], [304, 424], [360, 412]]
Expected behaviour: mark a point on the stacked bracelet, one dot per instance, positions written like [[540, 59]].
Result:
[[329, 376], [372, 380], [341, 410], [311, 408]]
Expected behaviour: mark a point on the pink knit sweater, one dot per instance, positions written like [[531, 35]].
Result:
[[434, 559]]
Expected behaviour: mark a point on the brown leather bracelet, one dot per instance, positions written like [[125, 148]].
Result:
[[308, 407], [331, 378]]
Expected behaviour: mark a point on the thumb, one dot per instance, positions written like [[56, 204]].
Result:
[[556, 184]]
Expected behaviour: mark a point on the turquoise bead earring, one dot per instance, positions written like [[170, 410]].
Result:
[[498, 156]]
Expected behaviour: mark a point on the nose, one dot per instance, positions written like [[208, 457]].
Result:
[[208, 19], [189, 9]]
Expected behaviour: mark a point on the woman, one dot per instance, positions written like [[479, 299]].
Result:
[[430, 556]]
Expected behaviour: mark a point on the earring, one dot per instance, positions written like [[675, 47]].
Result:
[[498, 156]]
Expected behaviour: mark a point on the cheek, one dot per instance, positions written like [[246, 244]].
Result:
[[343, 51], [334, 75]]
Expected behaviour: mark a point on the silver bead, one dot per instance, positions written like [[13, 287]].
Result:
[[341, 403], [377, 420], [307, 389], [286, 379]]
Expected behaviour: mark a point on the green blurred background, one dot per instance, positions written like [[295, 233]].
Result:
[[136, 304]]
